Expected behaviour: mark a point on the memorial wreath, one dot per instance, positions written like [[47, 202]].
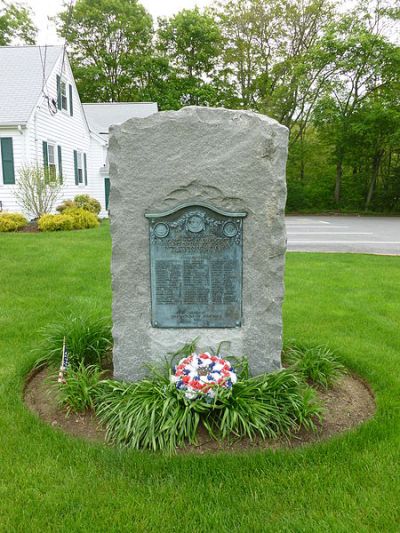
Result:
[[198, 375]]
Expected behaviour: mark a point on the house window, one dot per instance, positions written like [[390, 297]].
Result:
[[51, 150], [52, 160], [63, 90], [80, 167], [64, 98]]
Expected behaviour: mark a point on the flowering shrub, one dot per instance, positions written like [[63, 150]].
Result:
[[199, 375], [82, 201], [67, 204], [12, 221], [55, 223], [82, 219], [71, 218]]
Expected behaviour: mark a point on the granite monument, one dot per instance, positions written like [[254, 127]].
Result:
[[198, 236]]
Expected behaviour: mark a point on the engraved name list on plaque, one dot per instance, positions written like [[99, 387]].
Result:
[[196, 267]]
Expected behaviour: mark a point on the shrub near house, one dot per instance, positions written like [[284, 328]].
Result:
[[56, 223], [12, 222], [80, 213], [82, 219], [83, 201]]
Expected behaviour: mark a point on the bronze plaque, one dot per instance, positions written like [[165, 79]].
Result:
[[196, 267]]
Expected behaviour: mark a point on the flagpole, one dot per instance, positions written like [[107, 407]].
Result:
[[62, 354], [61, 378]]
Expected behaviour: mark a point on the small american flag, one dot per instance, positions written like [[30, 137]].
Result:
[[64, 363]]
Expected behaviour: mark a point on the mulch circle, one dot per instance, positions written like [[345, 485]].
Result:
[[347, 405]]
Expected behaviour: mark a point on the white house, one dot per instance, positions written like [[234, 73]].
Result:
[[42, 122], [100, 117]]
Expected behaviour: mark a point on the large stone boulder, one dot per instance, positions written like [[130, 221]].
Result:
[[233, 160]]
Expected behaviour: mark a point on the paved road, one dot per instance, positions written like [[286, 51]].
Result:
[[376, 235]]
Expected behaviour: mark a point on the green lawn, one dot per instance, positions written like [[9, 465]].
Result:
[[52, 482]]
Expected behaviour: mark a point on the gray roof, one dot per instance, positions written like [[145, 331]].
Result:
[[101, 116], [21, 75]]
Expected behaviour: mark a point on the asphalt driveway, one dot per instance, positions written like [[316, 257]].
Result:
[[376, 235]]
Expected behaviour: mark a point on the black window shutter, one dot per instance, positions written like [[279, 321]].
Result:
[[76, 167], [85, 167], [71, 106], [60, 172], [45, 155], [7, 160], [45, 160], [58, 92]]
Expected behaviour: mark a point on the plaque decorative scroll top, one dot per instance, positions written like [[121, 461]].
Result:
[[196, 267]]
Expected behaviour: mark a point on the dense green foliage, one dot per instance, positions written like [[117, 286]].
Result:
[[56, 222], [153, 414], [71, 218], [80, 390], [52, 481], [87, 336], [83, 201], [328, 71], [12, 222], [317, 364], [191, 42], [82, 218], [15, 24], [110, 43]]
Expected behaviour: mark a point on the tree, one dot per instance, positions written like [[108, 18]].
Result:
[[367, 70], [330, 75], [274, 53], [110, 45], [15, 24], [37, 191], [277, 61], [192, 43]]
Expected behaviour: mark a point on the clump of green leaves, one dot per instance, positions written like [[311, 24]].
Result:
[[317, 364], [152, 414], [81, 201], [87, 336], [148, 414], [264, 406], [81, 388], [12, 222]]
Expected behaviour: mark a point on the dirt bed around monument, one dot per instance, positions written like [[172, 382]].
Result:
[[349, 403]]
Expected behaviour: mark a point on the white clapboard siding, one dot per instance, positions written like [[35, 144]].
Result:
[[97, 170]]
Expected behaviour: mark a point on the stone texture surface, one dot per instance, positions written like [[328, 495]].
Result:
[[233, 159]]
